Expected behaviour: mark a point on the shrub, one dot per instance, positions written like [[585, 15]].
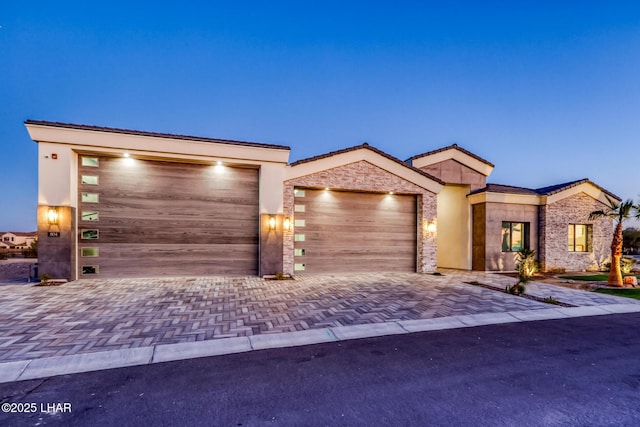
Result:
[[626, 265], [526, 265], [45, 278], [551, 300], [517, 289]]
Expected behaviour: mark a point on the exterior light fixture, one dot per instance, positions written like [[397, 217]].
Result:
[[391, 192], [326, 188], [219, 167], [431, 228], [52, 216], [272, 223], [125, 155], [287, 224]]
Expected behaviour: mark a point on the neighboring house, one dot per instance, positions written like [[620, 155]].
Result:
[[123, 203], [18, 240]]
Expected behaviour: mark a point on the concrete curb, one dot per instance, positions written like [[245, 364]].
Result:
[[62, 365]]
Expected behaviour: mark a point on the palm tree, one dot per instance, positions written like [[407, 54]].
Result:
[[618, 212]]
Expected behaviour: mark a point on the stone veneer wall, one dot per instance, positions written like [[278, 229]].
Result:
[[554, 223], [364, 176]]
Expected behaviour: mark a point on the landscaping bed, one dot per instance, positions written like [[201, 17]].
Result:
[[531, 297]]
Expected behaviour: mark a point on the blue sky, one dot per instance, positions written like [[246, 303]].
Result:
[[547, 91]]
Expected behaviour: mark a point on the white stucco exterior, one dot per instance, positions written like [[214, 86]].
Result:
[[57, 182]]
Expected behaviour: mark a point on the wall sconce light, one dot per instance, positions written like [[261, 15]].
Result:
[[287, 224], [431, 228], [52, 216], [272, 223]]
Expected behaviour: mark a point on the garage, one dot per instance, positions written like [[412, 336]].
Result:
[[144, 218], [348, 231]]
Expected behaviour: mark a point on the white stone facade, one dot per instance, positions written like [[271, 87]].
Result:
[[554, 223]]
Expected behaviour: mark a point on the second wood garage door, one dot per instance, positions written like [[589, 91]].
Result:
[[142, 218], [338, 231]]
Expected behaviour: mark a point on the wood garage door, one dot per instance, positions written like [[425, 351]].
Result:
[[141, 218], [339, 231]]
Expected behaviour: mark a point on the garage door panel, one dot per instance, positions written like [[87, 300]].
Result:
[[162, 234], [352, 232], [172, 206], [158, 218], [133, 260]]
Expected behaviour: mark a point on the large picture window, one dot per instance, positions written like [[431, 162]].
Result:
[[515, 236], [579, 238]]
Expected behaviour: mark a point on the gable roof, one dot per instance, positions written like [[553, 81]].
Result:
[[546, 193], [451, 147], [154, 134], [553, 189], [20, 233], [366, 146], [364, 152], [452, 153], [505, 189]]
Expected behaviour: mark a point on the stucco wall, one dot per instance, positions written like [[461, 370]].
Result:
[[454, 227], [493, 216], [453, 172], [554, 221], [364, 176]]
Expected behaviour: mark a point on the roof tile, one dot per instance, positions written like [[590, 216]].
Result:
[[155, 134], [375, 150], [449, 147]]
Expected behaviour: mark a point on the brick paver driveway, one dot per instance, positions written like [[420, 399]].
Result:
[[97, 315]]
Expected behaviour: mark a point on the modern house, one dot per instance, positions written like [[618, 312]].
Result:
[[124, 203]]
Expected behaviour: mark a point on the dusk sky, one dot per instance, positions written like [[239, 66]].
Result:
[[547, 91]]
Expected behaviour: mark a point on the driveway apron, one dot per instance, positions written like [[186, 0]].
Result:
[[98, 315]]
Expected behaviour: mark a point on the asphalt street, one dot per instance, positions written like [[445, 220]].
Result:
[[572, 372]]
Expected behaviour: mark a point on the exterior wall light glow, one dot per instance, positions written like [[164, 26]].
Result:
[[52, 216], [272, 223], [126, 155], [431, 228], [287, 224]]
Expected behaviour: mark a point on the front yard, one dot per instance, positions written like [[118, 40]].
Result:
[[599, 277], [625, 292]]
